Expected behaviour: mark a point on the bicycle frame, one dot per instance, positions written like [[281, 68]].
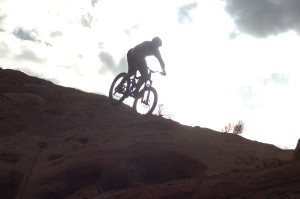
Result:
[[135, 78]]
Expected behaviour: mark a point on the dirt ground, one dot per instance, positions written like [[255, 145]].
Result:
[[58, 142]]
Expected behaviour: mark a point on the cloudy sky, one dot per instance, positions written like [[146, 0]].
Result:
[[227, 60]]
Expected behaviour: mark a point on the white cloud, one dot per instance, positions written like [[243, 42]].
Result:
[[56, 34], [4, 50], [2, 17], [28, 55], [277, 79]]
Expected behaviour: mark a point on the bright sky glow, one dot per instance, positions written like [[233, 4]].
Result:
[[219, 70]]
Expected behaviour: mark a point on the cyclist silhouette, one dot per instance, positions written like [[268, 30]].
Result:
[[136, 58]]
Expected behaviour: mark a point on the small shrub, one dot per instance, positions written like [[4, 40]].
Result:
[[237, 129], [161, 112], [228, 128]]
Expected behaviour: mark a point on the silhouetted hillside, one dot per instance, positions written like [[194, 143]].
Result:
[[58, 142]]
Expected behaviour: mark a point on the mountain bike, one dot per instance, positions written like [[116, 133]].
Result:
[[145, 97]]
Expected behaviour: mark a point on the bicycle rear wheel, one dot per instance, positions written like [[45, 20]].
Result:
[[146, 101], [118, 92]]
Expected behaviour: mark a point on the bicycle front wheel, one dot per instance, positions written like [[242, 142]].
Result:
[[146, 101], [119, 89]]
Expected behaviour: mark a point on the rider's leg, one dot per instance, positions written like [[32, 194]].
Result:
[[131, 70], [142, 67]]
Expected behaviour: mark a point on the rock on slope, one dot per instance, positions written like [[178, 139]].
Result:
[[58, 142]]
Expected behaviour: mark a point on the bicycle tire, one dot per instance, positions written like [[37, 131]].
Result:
[[115, 96], [151, 103]]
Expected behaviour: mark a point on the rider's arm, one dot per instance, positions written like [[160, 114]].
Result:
[[161, 61]]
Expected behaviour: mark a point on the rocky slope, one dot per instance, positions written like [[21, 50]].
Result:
[[58, 142]]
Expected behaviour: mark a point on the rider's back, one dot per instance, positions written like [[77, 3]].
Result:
[[143, 50]]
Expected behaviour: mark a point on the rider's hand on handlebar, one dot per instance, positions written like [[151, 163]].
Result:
[[163, 73]]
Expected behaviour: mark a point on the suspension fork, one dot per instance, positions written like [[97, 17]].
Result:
[[146, 98]]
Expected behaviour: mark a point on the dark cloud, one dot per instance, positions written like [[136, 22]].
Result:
[[94, 2], [4, 50], [184, 12], [262, 18], [86, 20], [277, 79], [29, 35], [56, 34], [110, 66], [28, 55]]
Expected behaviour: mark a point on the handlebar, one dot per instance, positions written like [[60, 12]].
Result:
[[156, 71]]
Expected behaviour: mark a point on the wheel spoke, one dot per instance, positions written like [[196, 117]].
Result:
[[146, 102], [118, 92]]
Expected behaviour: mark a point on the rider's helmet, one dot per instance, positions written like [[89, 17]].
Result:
[[157, 42]]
